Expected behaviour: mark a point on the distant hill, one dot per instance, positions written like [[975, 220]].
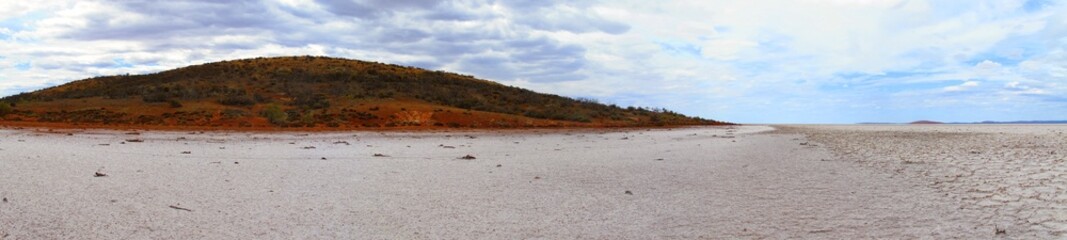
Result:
[[315, 92], [925, 122], [1024, 122]]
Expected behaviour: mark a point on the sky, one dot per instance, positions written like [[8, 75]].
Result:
[[745, 61]]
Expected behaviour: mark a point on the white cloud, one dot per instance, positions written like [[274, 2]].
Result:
[[735, 60], [964, 86]]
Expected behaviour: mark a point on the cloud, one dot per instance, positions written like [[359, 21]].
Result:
[[964, 86], [744, 61]]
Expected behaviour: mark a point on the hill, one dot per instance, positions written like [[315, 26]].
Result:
[[925, 122], [314, 92]]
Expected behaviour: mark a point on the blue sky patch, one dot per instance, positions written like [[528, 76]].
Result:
[[23, 66], [680, 48]]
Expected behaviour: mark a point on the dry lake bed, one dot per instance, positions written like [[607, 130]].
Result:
[[748, 182]]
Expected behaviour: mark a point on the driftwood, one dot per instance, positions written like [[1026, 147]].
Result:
[[181, 208]]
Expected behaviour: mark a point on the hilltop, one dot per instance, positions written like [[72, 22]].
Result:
[[314, 93]]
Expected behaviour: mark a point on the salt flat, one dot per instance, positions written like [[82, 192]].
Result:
[[1009, 177], [713, 182]]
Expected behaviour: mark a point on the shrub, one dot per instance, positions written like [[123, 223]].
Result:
[[275, 115], [312, 101], [5, 109], [175, 103], [233, 113], [154, 97], [238, 100]]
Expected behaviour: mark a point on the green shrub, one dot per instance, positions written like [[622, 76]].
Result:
[[5, 109], [238, 100], [275, 115]]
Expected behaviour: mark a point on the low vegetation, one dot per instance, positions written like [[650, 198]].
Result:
[[321, 91], [5, 109]]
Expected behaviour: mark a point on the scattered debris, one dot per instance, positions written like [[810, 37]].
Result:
[[628, 192], [820, 231], [133, 133], [309, 147], [659, 159], [134, 140], [804, 143], [342, 142], [998, 231], [104, 144], [537, 177], [219, 162], [187, 152], [323, 158], [625, 138], [181, 208], [236, 162], [445, 146], [99, 174], [380, 155], [499, 165], [468, 157], [181, 138]]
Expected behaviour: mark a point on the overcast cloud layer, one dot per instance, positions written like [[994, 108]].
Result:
[[808, 61]]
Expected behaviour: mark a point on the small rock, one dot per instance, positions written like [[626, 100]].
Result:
[[5, 199], [99, 174], [468, 157], [323, 158], [537, 177], [998, 231], [134, 140], [380, 155], [659, 159], [499, 165], [187, 152], [309, 147], [628, 192]]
